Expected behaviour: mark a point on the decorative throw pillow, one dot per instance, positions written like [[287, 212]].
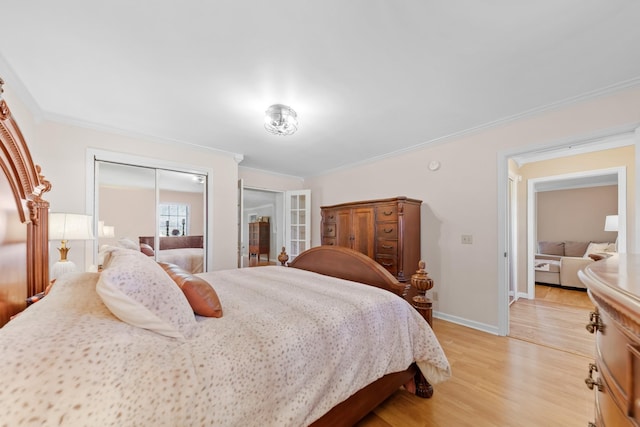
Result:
[[138, 291], [551, 248], [596, 248], [576, 249], [146, 249], [200, 294]]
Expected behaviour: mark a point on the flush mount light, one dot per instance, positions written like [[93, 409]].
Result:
[[281, 120]]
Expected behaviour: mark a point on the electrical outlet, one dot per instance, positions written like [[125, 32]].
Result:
[[467, 239]]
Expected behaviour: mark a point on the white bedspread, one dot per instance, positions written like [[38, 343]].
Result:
[[283, 354]]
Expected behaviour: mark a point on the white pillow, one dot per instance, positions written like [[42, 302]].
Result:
[[128, 244], [596, 248], [139, 292]]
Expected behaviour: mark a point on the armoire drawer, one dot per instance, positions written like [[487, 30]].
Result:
[[387, 247], [329, 216], [387, 231], [391, 264], [328, 230], [331, 241], [387, 213]]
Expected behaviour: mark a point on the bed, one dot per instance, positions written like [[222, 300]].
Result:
[[148, 343], [184, 251]]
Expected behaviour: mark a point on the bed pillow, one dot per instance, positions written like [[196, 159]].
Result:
[[138, 291], [200, 294], [146, 249], [596, 248]]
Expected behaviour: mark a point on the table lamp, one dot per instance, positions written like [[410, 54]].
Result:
[[65, 227], [611, 224]]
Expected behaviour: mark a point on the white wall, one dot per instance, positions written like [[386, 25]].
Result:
[[61, 150], [462, 196]]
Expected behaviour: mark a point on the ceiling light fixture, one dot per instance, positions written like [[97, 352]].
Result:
[[281, 120]]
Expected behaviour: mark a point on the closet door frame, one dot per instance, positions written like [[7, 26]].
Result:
[[117, 157]]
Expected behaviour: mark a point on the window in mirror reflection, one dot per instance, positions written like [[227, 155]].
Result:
[[174, 219]]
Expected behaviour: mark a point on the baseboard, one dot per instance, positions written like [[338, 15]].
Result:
[[466, 322]]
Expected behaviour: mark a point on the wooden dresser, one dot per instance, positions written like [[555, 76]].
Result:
[[614, 287], [386, 230]]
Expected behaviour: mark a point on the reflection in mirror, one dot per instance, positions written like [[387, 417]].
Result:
[[181, 216], [126, 201], [162, 212], [13, 254]]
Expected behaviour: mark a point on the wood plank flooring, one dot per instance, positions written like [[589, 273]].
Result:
[[555, 318], [497, 382]]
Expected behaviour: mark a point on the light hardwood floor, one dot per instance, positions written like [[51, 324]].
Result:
[[497, 382]]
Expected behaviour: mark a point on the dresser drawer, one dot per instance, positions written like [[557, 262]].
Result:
[[613, 358], [387, 230], [387, 213], [607, 409], [391, 264], [328, 230], [387, 247]]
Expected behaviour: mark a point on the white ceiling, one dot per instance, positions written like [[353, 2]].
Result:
[[366, 77]]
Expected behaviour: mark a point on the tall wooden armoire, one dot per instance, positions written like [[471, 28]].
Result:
[[259, 242], [386, 230]]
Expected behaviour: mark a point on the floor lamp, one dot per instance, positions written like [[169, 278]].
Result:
[[65, 227]]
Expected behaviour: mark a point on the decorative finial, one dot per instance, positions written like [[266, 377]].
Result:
[[283, 257], [421, 280]]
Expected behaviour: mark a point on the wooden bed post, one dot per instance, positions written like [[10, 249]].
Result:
[[422, 282]]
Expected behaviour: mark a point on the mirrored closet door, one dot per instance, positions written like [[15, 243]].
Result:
[[162, 212]]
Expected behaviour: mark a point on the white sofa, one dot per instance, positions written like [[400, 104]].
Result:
[[558, 262]]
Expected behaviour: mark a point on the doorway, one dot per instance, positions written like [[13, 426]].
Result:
[[525, 240]]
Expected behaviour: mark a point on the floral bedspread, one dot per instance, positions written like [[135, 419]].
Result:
[[290, 346]]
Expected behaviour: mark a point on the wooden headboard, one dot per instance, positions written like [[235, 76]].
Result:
[[22, 180]]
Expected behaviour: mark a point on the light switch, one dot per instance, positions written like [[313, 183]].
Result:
[[467, 239]]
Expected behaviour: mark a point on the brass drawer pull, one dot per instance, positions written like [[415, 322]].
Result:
[[386, 264], [595, 324], [387, 246], [387, 213], [590, 381], [329, 230], [388, 230]]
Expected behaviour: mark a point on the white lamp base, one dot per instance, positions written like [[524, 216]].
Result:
[[62, 267]]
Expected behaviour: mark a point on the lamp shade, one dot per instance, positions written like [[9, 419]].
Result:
[[68, 226], [611, 223], [106, 230]]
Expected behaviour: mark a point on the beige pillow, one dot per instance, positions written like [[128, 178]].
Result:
[[576, 249], [551, 248], [138, 291], [596, 248]]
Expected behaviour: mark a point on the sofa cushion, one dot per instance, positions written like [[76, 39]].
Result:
[[595, 248], [551, 248], [576, 249]]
